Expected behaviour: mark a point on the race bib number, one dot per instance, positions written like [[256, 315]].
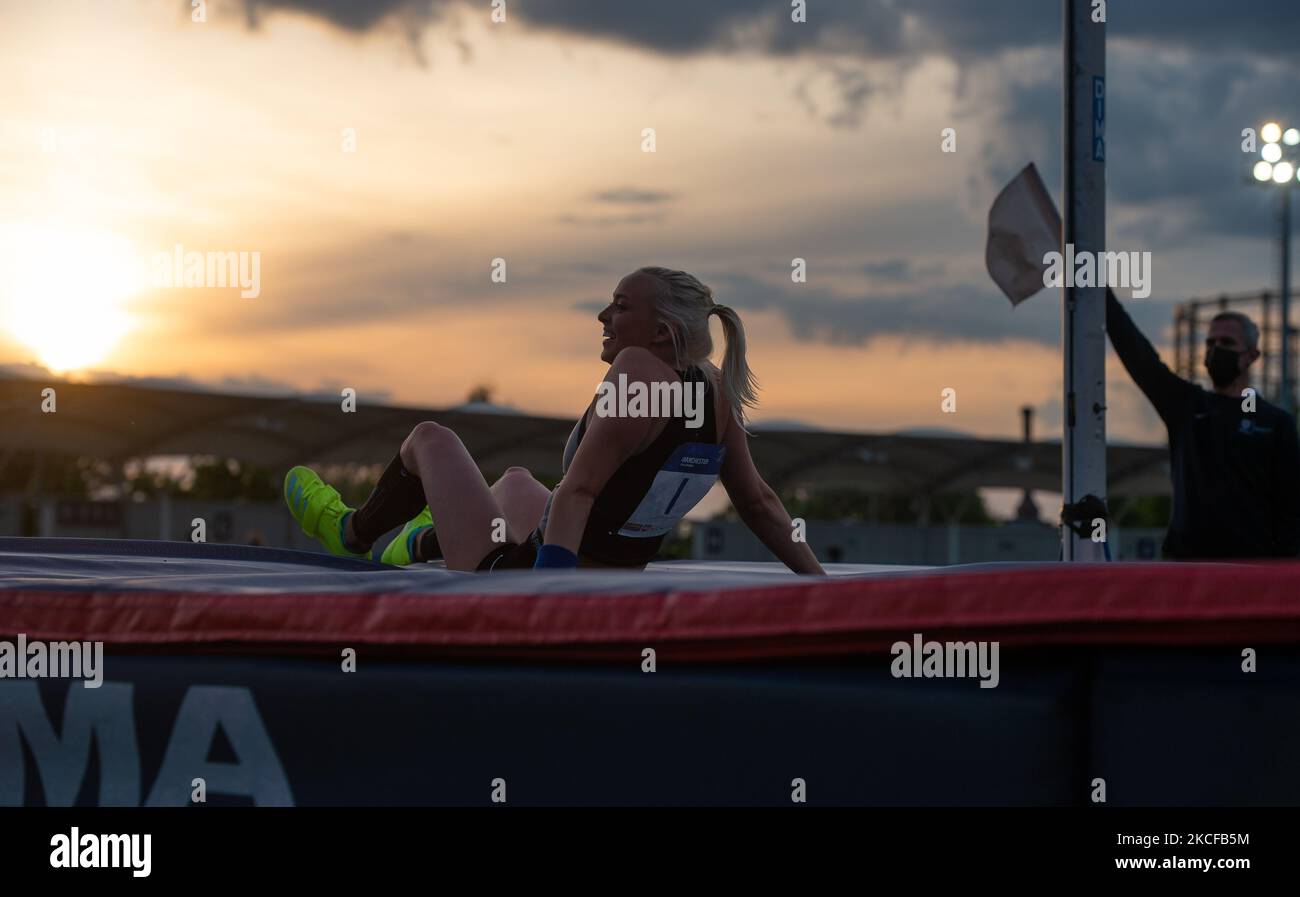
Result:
[[686, 476]]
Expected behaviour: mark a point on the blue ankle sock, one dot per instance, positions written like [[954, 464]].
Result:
[[412, 538]]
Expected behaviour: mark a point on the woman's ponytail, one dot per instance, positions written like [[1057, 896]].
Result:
[[738, 383], [684, 304]]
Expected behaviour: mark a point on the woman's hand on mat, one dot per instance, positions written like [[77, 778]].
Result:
[[759, 507]]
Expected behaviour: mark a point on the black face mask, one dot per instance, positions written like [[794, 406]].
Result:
[[1223, 364]]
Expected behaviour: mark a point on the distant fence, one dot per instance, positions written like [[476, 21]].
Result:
[[169, 519], [269, 524], [881, 543]]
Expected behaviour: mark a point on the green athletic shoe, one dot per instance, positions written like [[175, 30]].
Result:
[[319, 510], [400, 551]]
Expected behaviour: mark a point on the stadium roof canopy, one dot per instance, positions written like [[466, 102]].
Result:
[[117, 422]]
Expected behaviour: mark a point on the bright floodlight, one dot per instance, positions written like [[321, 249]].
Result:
[[1263, 171], [1271, 132], [1282, 172], [1291, 137], [1271, 152]]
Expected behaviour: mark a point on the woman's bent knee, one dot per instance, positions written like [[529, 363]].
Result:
[[424, 435]]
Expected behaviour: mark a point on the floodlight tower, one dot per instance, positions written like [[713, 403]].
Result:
[[1277, 167]]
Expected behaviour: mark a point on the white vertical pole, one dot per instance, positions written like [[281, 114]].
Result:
[[1083, 318]]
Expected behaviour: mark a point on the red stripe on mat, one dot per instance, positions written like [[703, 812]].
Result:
[[1120, 603]]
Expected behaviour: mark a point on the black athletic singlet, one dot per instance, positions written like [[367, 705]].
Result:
[[653, 489]]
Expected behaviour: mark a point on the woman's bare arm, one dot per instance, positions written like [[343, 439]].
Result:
[[759, 507], [609, 442]]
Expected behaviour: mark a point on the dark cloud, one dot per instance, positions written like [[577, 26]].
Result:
[[620, 196], [1261, 27], [666, 26], [893, 269], [954, 312], [672, 27], [1174, 168], [900, 270], [384, 279], [632, 195], [231, 384], [350, 15], [876, 29], [1174, 149], [966, 30], [25, 370], [1184, 78], [848, 34], [850, 85]]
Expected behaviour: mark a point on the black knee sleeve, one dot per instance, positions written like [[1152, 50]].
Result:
[[396, 498]]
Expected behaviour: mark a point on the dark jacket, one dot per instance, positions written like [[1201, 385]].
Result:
[[1236, 474]]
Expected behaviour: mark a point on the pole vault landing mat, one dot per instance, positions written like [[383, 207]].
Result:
[[269, 677]]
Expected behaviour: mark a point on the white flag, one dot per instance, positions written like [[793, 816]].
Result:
[[1023, 227]]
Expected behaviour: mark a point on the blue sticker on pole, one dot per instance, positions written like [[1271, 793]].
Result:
[[1098, 119]]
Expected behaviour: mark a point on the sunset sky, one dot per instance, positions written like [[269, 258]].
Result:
[[126, 128]]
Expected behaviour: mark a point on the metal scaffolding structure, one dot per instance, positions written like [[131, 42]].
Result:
[[1192, 319]]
